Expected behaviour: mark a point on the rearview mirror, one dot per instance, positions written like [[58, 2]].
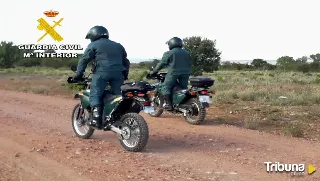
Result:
[[73, 68], [151, 68]]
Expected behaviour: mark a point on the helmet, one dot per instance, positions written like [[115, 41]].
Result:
[[175, 42], [97, 32]]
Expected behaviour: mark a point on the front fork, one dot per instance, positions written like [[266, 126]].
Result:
[[80, 111], [80, 118]]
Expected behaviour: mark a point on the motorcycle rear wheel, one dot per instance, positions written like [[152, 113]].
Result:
[[137, 132], [196, 113]]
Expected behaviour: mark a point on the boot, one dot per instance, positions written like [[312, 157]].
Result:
[[97, 117], [168, 105]]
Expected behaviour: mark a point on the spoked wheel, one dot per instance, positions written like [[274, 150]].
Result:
[[79, 119], [196, 112], [157, 102], [136, 132]]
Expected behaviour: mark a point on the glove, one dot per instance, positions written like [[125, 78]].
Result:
[[70, 80], [152, 74], [75, 79], [125, 75]]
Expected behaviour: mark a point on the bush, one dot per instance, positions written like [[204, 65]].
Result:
[[305, 68], [29, 62]]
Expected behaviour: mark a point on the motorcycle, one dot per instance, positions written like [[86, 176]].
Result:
[[192, 102], [120, 113]]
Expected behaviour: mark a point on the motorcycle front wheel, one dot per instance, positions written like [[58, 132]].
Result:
[[79, 126], [157, 101]]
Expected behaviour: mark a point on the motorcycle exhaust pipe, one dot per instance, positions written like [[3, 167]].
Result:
[[117, 130], [184, 111]]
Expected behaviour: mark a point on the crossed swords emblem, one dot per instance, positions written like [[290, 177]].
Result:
[[44, 25]]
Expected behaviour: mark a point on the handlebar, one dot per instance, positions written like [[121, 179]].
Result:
[[158, 76], [149, 76], [82, 81]]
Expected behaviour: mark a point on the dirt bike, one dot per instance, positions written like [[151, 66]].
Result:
[[192, 103], [120, 114]]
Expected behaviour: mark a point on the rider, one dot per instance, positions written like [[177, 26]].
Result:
[[178, 62], [110, 65]]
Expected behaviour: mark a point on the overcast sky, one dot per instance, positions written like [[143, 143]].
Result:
[[243, 29]]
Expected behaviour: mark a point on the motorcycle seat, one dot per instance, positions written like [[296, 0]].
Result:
[[181, 91], [108, 96]]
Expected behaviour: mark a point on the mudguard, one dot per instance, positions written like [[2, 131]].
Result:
[[84, 99], [76, 96]]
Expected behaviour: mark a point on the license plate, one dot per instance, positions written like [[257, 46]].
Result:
[[205, 99], [148, 109]]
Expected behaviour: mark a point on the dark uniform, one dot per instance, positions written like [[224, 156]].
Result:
[[110, 65], [178, 62]]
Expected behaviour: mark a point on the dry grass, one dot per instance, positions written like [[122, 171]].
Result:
[[276, 102], [295, 129], [267, 88], [252, 122]]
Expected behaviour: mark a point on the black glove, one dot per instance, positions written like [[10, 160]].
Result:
[[75, 79], [148, 76], [70, 80], [125, 75], [152, 74]]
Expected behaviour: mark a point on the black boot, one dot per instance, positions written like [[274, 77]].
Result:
[[168, 105], [97, 117]]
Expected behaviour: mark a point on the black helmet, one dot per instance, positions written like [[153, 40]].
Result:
[[175, 42], [97, 32]]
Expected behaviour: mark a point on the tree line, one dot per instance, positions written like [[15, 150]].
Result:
[[204, 54], [11, 56], [284, 63]]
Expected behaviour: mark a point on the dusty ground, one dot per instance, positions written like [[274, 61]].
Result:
[[37, 143]]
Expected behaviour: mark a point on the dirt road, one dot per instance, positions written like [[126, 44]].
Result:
[[37, 143]]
